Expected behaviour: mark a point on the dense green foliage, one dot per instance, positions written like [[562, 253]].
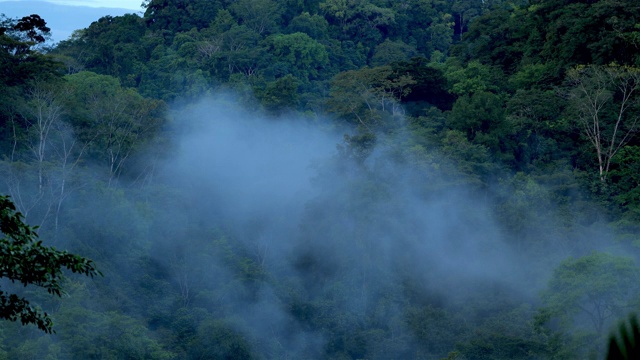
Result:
[[480, 136]]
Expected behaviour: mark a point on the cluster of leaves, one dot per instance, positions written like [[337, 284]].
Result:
[[25, 260]]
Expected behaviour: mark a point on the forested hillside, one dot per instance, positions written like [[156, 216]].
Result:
[[337, 179]]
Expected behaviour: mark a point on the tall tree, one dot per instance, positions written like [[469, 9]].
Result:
[[299, 55], [261, 16], [606, 102], [172, 16], [358, 20], [114, 120], [21, 62], [590, 291], [39, 138], [368, 95]]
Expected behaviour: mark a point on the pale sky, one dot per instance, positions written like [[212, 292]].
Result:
[[63, 21], [124, 4]]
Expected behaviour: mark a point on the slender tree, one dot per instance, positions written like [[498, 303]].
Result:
[[605, 101]]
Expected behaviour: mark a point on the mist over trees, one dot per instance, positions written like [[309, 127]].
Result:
[[361, 179]]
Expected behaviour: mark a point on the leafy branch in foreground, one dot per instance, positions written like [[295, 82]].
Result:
[[25, 260], [625, 344]]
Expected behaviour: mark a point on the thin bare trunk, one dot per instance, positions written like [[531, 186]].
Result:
[[594, 90]]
